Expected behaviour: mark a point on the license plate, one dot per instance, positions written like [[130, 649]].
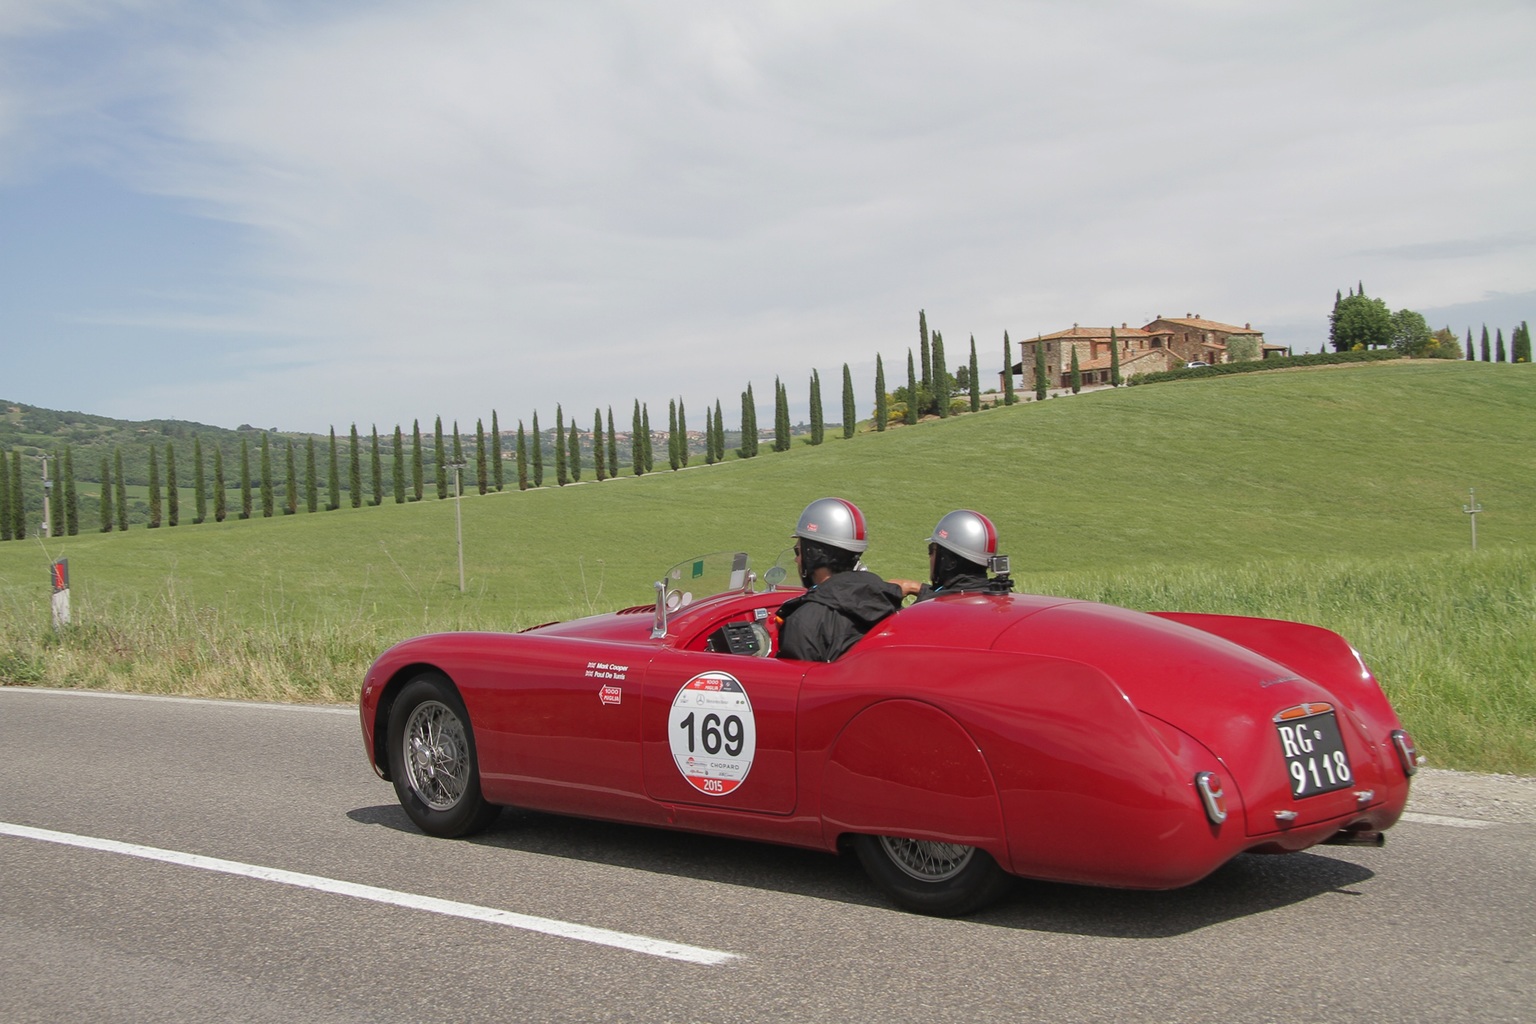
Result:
[[1314, 754]]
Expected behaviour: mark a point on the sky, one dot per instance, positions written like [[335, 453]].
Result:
[[298, 215]]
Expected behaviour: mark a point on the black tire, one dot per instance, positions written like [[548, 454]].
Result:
[[432, 759], [943, 879]]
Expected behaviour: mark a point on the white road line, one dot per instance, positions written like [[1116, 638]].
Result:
[[413, 901], [322, 709], [1442, 819]]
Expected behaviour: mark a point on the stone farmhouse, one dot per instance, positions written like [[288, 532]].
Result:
[[1166, 343]]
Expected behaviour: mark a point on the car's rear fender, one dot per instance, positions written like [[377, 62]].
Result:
[[905, 768]]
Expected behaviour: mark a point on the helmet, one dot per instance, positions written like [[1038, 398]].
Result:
[[968, 534], [835, 523]]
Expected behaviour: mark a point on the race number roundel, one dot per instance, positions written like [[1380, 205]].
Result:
[[712, 732]]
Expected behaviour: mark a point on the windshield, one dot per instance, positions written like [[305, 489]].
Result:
[[707, 575]]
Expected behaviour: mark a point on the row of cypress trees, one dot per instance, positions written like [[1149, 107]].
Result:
[[278, 486]]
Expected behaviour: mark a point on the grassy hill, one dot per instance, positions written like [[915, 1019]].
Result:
[[1332, 495]]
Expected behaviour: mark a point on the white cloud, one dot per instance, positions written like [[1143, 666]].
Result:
[[476, 204]]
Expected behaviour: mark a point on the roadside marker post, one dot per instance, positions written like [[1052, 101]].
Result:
[[58, 578]]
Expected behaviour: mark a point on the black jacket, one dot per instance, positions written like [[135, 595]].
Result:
[[824, 622], [958, 584]]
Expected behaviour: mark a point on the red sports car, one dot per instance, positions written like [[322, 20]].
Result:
[[963, 741]]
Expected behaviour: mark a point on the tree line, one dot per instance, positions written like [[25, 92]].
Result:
[[1361, 322], [283, 475]]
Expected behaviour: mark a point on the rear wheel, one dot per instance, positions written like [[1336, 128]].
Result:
[[944, 879], [432, 759]]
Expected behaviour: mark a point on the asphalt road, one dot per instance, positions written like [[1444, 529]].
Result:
[[315, 900]]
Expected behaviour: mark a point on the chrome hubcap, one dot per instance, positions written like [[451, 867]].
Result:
[[436, 755], [927, 861]]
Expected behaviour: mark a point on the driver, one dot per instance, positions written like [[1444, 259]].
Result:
[[842, 601], [960, 548]]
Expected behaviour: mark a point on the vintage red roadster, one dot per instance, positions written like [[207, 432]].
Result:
[[962, 742]]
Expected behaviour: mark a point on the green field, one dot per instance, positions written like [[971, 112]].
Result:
[[1332, 495]]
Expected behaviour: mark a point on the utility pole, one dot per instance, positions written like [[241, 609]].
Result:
[[458, 518], [1472, 510], [47, 490]]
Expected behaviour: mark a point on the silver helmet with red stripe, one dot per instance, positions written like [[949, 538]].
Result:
[[835, 523], [968, 534]]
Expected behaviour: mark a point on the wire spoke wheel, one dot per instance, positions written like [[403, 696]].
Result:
[[927, 861], [436, 755], [432, 759]]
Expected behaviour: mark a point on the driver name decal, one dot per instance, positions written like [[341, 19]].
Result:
[[604, 670], [712, 733]]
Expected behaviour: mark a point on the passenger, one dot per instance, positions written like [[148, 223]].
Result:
[[960, 549], [842, 601]]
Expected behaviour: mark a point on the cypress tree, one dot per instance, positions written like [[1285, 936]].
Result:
[[636, 459], [439, 467], [912, 392], [199, 487], [522, 457], [536, 451], [850, 410], [709, 436], [19, 497], [1077, 373], [1114, 360], [481, 483], [599, 463], [748, 447], [1470, 356], [719, 434], [106, 498], [882, 403], [1009, 398], [1042, 381], [573, 441], [940, 388], [172, 491], [399, 465], [648, 440], [927, 356], [7, 520], [1521, 343], [376, 468], [682, 432], [355, 468], [333, 479], [418, 467], [498, 471], [1498, 352], [311, 478], [56, 505], [1487, 354], [291, 482], [71, 497], [974, 370], [562, 475], [817, 424], [613, 447], [220, 498], [119, 490], [154, 488], [780, 417], [672, 458], [267, 504]]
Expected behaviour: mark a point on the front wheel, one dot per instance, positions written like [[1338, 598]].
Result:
[[432, 759], [944, 879]]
